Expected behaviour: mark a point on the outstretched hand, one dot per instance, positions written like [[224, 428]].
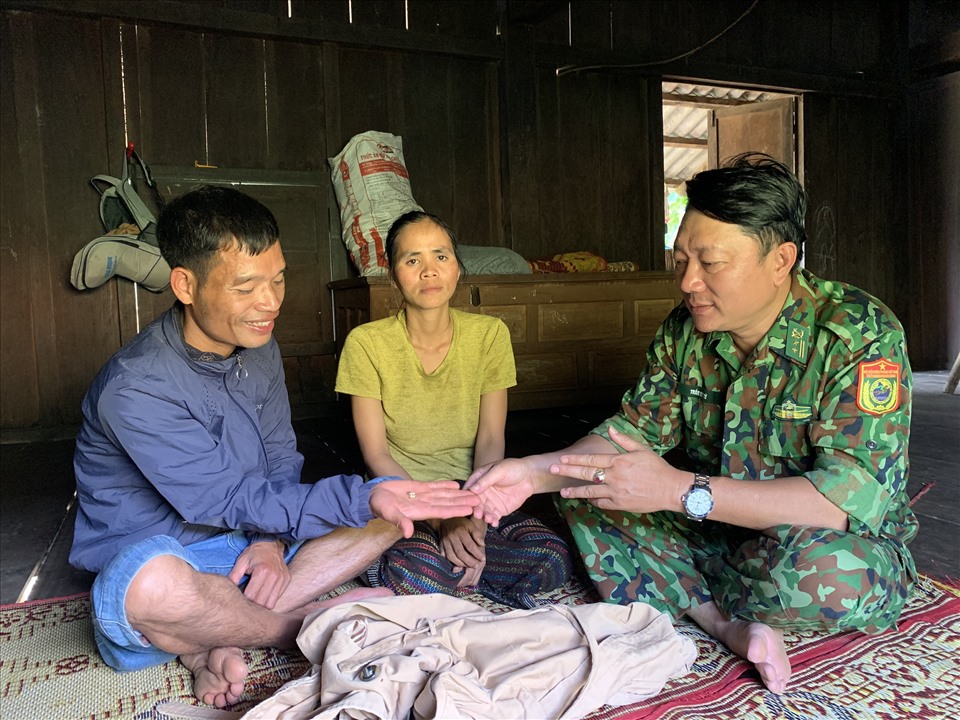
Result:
[[503, 487], [400, 502], [638, 481]]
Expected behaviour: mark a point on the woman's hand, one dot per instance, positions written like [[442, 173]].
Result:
[[502, 486], [462, 543]]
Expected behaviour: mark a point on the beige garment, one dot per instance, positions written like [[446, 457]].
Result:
[[444, 657]]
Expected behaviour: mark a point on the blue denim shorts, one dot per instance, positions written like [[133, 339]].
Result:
[[120, 645]]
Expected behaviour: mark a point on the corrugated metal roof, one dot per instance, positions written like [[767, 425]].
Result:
[[686, 117]]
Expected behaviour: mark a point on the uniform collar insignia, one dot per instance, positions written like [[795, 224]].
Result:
[[798, 342], [791, 335]]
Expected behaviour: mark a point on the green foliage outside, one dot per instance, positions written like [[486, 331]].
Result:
[[676, 205]]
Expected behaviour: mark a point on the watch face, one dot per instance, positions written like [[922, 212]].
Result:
[[699, 503]]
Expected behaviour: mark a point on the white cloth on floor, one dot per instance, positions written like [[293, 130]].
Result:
[[443, 657]]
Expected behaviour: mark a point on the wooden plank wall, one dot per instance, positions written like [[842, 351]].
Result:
[[934, 193], [498, 142]]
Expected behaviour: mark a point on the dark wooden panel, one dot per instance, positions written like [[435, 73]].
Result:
[[475, 152], [325, 11], [300, 317], [267, 7], [934, 193], [369, 98], [590, 24], [306, 309], [580, 185], [310, 380], [649, 315], [519, 123], [547, 150], [550, 19], [463, 18], [599, 163], [632, 151], [856, 220], [573, 322], [172, 95], [236, 99], [295, 132], [821, 176], [19, 233], [337, 258], [79, 330], [808, 49], [609, 367], [379, 13], [636, 24], [513, 316], [556, 370], [427, 132], [72, 137], [870, 194]]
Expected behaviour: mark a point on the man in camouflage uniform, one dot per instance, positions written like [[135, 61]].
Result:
[[775, 406]]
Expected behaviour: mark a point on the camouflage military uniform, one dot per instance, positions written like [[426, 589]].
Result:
[[826, 394]]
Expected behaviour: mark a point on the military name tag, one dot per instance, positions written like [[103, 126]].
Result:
[[878, 386], [789, 410]]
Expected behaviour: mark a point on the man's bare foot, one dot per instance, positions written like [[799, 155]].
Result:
[[355, 595], [760, 644], [218, 675], [763, 646]]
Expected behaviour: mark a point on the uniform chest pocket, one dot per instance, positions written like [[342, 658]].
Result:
[[702, 410], [789, 439]]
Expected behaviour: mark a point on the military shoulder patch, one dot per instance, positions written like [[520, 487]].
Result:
[[878, 386]]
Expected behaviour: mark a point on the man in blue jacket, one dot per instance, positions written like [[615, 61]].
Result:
[[191, 509]]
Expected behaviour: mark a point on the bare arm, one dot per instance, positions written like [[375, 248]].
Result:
[[641, 481], [491, 443], [462, 539], [505, 485], [371, 432]]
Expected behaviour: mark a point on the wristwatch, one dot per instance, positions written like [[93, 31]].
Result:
[[698, 501]]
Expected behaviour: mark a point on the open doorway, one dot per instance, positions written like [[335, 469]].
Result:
[[703, 125]]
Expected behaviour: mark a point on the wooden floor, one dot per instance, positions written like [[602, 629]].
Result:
[[36, 513]]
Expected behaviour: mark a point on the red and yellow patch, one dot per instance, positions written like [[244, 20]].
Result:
[[878, 386]]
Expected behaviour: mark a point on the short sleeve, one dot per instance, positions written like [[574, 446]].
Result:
[[500, 370], [357, 371]]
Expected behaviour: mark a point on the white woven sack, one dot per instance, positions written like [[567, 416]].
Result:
[[373, 189]]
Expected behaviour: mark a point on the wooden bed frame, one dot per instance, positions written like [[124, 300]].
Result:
[[578, 338]]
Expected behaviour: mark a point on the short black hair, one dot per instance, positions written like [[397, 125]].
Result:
[[758, 194], [194, 227], [409, 218]]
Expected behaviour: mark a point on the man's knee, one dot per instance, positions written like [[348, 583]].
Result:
[[823, 578], [158, 588]]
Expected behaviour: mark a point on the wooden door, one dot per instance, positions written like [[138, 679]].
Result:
[[767, 127]]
